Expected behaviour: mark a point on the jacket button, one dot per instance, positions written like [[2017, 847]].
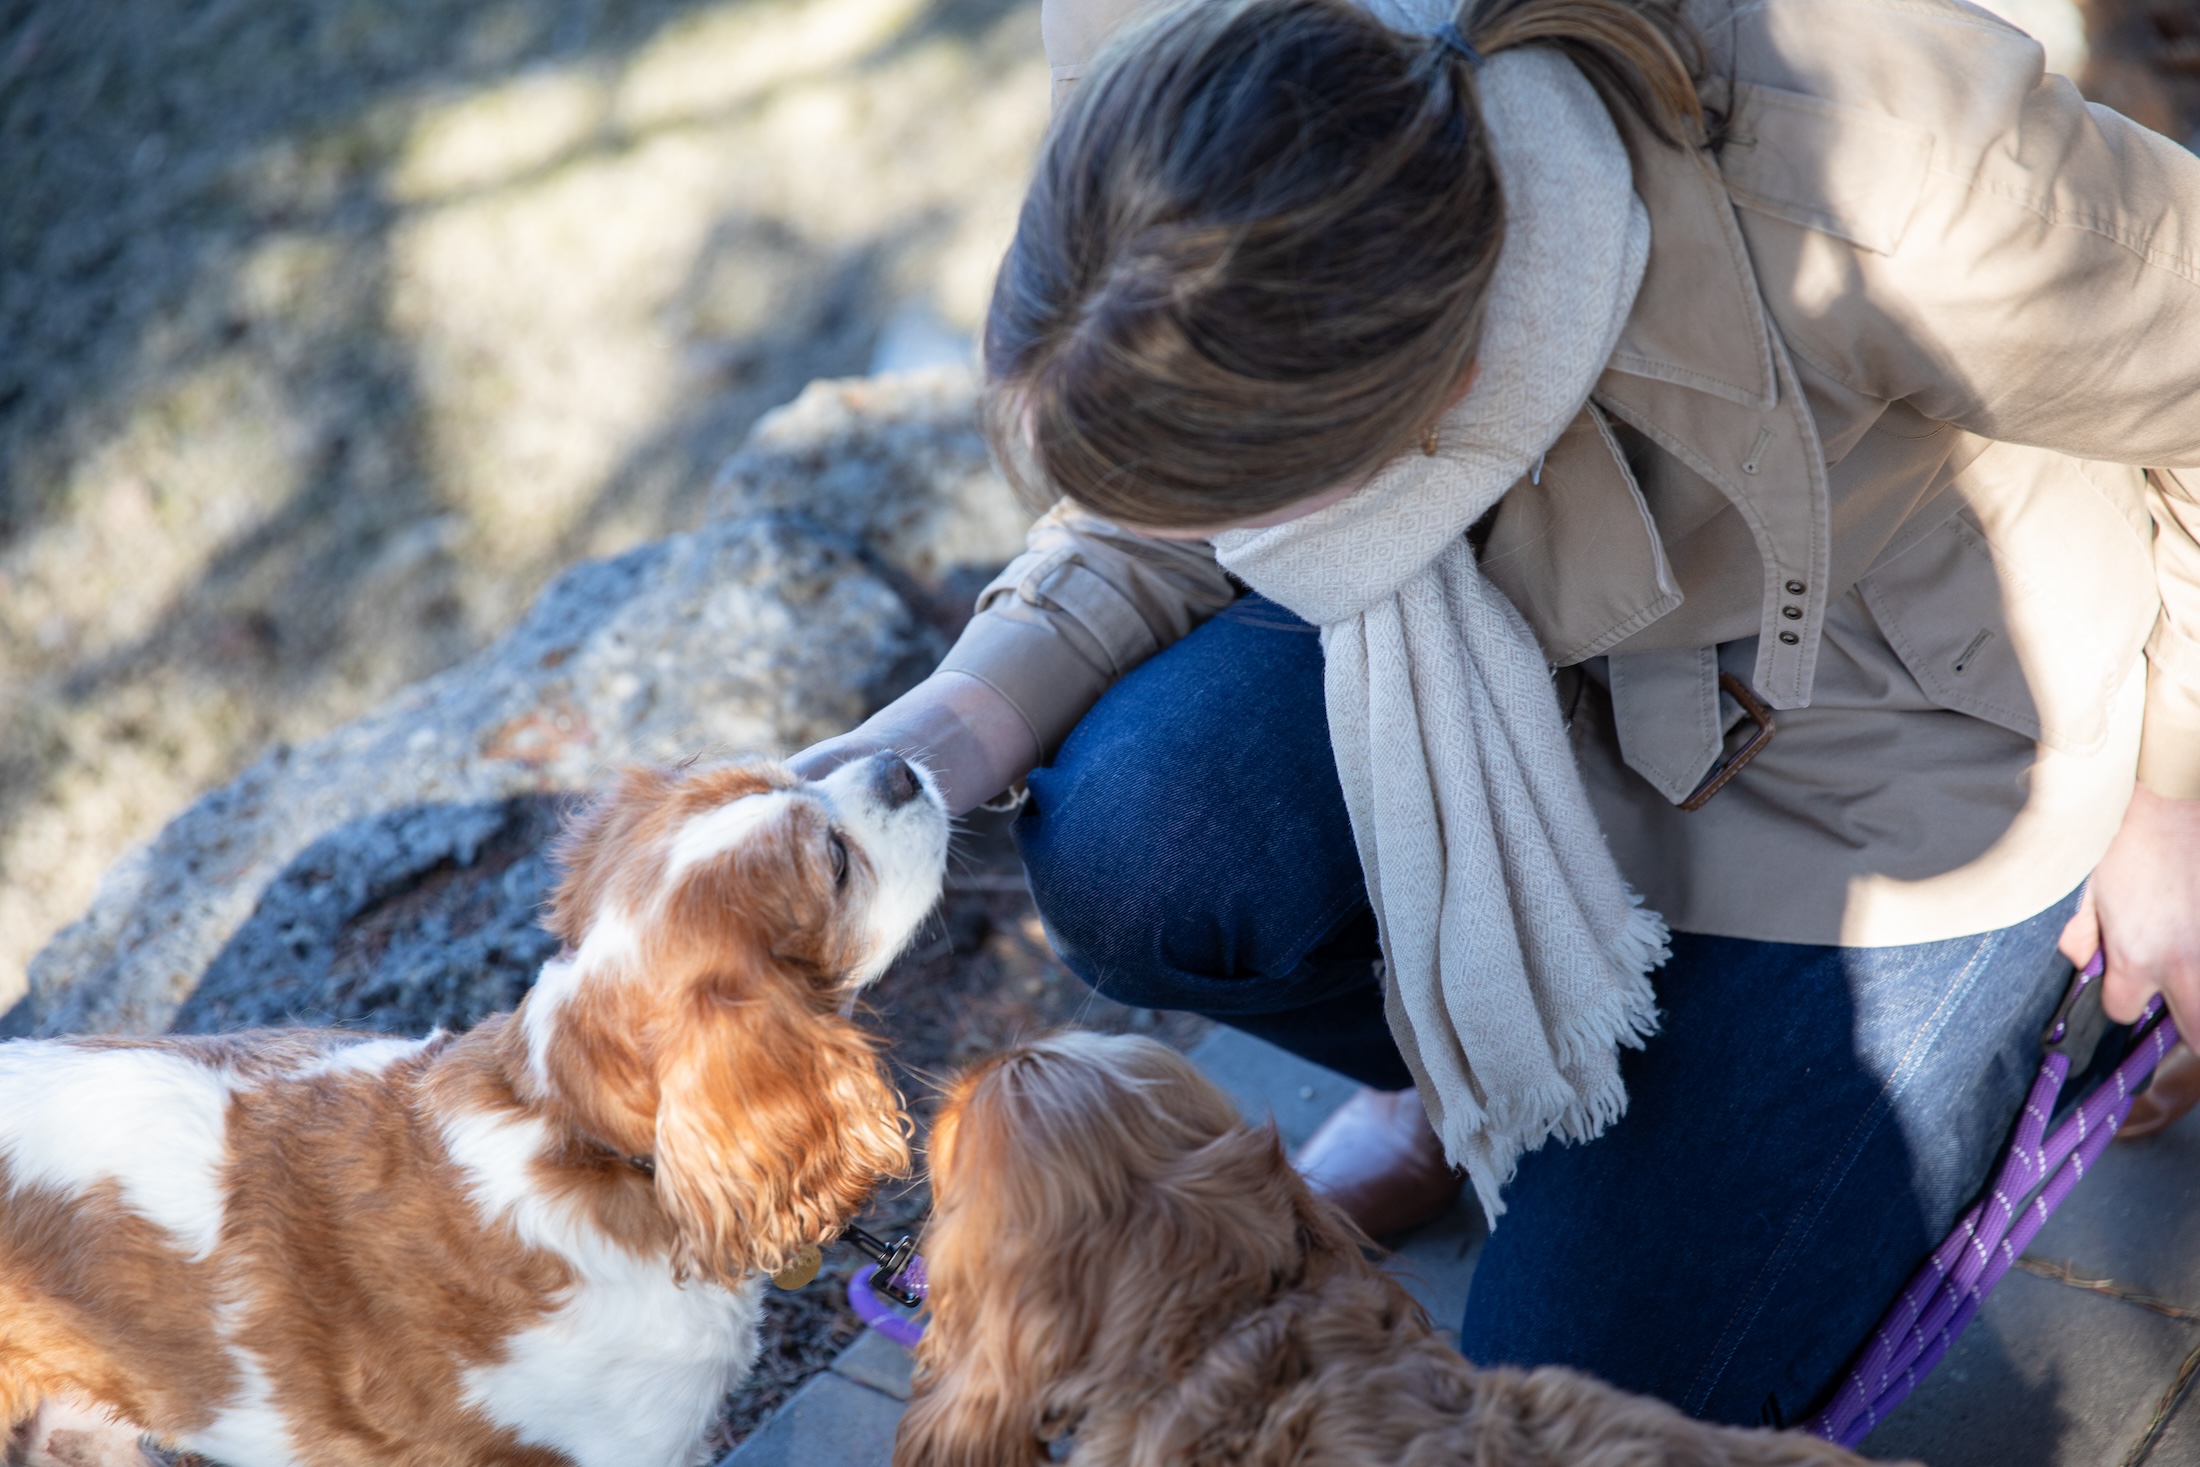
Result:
[[1792, 613], [1790, 638], [1795, 588]]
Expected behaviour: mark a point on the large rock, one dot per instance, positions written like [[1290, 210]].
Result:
[[389, 874]]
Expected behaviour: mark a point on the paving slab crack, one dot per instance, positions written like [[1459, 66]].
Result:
[[2063, 1273], [2164, 1409], [2174, 1396]]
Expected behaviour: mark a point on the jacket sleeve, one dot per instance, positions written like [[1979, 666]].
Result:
[[2037, 282], [2169, 749], [1085, 603], [2082, 334]]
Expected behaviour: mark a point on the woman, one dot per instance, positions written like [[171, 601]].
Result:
[[1813, 385]]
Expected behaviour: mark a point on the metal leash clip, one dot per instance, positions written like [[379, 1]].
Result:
[[892, 1263]]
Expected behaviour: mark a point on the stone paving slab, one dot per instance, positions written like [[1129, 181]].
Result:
[[2137, 1218], [1436, 1263], [2055, 1374], [2046, 1376], [1266, 1081], [875, 1361], [830, 1422], [2179, 1443]]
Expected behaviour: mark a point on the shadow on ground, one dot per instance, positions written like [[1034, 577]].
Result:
[[329, 330]]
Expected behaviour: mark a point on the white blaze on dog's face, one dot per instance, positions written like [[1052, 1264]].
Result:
[[717, 920], [874, 832], [834, 875], [891, 812]]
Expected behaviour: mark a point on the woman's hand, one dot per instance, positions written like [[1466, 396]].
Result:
[[2143, 907], [971, 738]]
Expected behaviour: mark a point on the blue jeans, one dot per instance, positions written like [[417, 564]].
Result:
[[1804, 1127]]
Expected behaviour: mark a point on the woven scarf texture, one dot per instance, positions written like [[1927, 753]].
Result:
[[1516, 957]]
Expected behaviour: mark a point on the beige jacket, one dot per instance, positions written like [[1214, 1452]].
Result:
[[1904, 431]]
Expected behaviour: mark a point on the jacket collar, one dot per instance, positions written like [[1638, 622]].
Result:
[[1702, 372], [1699, 319]]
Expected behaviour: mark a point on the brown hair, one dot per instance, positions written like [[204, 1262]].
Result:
[[1113, 1256], [1254, 260]]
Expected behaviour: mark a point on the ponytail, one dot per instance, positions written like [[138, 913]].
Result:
[[1255, 259], [1641, 57]]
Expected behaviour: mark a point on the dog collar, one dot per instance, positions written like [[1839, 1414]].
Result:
[[646, 1165]]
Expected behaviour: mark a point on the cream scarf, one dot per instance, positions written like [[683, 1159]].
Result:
[[1516, 956]]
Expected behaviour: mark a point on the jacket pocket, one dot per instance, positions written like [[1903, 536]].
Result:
[[2029, 607]]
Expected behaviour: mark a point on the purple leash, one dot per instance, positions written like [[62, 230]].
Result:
[[2036, 1174], [880, 1315], [895, 1270]]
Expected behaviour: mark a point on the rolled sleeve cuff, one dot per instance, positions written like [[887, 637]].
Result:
[[1030, 664], [2169, 747]]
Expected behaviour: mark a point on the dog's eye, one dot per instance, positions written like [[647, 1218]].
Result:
[[836, 851]]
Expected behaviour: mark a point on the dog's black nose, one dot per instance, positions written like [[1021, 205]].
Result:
[[895, 781]]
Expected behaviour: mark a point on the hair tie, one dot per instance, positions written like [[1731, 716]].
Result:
[[1449, 38]]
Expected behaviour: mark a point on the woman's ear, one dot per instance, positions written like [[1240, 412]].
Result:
[[774, 1124]]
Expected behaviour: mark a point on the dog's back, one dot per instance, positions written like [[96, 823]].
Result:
[[111, 1169], [1115, 1257], [295, 1246]]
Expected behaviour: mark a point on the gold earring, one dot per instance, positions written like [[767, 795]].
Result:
[[1428, 441]]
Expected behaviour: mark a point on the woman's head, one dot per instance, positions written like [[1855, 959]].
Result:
[[1254, 261]]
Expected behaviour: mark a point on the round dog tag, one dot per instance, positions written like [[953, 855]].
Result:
[[801, 1268]]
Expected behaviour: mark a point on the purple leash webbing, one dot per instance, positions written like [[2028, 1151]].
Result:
[[2037, 1172]]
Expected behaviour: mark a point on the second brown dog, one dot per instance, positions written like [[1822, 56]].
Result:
[[1121, 1266]]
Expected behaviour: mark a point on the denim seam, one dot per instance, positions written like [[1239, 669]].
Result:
[[1331, 917], [1805, 1220]]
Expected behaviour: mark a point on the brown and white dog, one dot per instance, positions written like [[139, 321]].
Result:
[[541, 1242], [1115, 1259]]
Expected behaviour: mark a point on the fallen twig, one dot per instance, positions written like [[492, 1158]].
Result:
[[2163, 1410], [2063, 1273]]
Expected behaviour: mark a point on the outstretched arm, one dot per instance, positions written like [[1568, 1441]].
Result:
[[971, 738], [1083, 605]]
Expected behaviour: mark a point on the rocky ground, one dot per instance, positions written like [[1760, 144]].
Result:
[[330, 330], [390, 875]]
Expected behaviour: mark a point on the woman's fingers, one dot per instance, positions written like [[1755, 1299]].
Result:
[[2146, 897]]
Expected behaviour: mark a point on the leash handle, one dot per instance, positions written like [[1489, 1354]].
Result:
[[2037, 1172]]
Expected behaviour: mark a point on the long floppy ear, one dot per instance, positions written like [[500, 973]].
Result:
[[775, 1122], [1099, 1211], [1002, 1323]]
